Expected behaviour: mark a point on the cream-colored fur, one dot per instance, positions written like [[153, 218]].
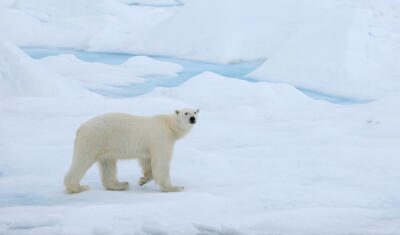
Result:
[[109, 137]]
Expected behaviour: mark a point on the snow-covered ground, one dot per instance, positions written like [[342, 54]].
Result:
[[264, 158], [352, 50], [151, 76]]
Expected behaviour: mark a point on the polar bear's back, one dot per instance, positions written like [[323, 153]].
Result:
[[120, 134], [111, 124]]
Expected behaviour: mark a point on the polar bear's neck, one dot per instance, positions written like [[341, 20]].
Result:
[[177, 130]]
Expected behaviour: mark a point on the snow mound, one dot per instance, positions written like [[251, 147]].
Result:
[[20, 75], [228, 31], [213, 91], [77, 24], [101, 76], [146, 66], [330, 55]]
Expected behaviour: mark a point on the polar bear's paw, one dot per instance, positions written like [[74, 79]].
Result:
[[120, 186], [78, 189], [174, 189], [144, 180]]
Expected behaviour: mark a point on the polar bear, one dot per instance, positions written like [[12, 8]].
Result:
[[113, 136]]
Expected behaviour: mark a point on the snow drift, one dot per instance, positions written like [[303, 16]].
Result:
[[333, 55], [102, 76], [20, 75], [216, 92]]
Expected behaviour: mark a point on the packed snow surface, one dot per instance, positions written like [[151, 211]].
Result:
[[97, 75], [270, 161], [343, 48], [349, 51], [264, 158], [20, 75], [163, 71]]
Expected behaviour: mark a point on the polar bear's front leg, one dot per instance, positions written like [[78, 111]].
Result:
[[108, 171], [160, 165], [146, 169]]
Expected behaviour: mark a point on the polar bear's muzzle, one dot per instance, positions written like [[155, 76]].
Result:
[[192, 120]]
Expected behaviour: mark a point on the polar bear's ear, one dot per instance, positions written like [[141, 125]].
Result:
[[198, 110], [176, 111]]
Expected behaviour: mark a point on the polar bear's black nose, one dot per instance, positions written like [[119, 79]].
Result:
[[192, 120]]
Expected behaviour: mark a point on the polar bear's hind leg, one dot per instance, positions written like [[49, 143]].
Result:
[[108, 171], [76, 172]]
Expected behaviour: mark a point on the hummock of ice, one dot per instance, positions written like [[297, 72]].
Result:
[[229, 31], [343, 48], [21, 75], [337, 55], [102, 76], [212, 91]]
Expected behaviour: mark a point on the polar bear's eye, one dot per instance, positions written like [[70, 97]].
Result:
[[185, 113]]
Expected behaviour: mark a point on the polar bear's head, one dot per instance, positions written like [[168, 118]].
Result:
[[183, 121], [187, 117]]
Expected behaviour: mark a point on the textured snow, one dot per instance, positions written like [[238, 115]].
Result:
[[78, 24], [239, 28], [271, 162], [102, 76], [342, 48], [341, 53], [20, 75], [264, 158]]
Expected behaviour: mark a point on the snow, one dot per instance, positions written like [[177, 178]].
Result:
[[264, 157], [162, 71], [196, 91], [98, 76], [154, 3], [182, 31], [276, 162], [20, 75], [341, 48], [146, 66], [336, 54], [239, 28], [78, 24]]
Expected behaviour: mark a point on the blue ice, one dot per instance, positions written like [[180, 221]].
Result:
[[191, 69]]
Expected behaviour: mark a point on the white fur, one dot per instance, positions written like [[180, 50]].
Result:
[[114, 136]]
